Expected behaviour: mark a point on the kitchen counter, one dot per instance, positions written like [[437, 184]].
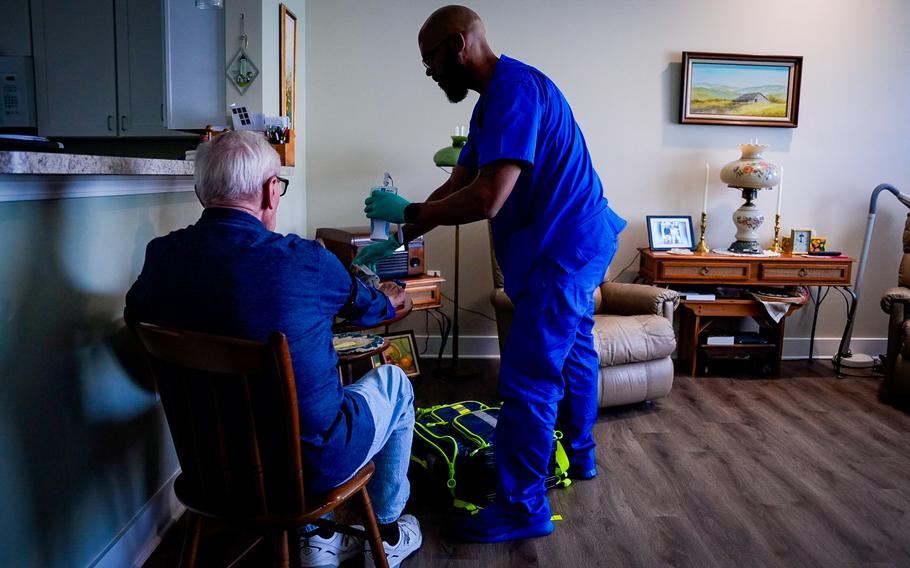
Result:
[[29, 176], [79, 164]]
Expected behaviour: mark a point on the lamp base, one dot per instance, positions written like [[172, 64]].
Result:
[[454, 372], [745, 247]]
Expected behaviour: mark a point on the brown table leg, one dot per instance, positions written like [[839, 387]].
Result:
[[687, 354]]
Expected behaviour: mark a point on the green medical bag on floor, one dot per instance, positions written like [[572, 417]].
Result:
[[454, 444]]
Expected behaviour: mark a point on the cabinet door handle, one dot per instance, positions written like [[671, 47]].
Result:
[[110, 125], [123, 122], [803, 272], [704, 271]]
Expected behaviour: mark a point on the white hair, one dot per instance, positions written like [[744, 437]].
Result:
[[233, 166]]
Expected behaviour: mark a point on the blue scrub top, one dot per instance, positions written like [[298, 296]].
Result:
[[557, 210]]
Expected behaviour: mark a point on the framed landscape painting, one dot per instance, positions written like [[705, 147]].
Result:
[[287, 63], [741, 90]]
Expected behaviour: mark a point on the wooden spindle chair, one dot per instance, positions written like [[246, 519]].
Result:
[[231, 406]]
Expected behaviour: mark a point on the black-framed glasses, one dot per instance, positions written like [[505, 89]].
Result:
[[284, 184], [430, 56]]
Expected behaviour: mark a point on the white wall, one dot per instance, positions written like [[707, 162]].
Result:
[[261, 27], [371, 109]]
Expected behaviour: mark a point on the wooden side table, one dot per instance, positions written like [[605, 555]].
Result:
[[697, 316], [715, 269], [425, 291]]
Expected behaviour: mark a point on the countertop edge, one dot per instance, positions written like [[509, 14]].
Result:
[[55, 163]]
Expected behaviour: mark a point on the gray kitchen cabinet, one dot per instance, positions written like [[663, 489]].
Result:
[[99, 68]]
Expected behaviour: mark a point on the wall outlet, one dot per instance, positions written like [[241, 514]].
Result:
[[434, 273]]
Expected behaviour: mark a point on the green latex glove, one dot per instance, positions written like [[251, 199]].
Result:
[[371, 254], [386, 206]]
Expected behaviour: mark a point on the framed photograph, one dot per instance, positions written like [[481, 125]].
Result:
[[802, 239], [667, 232], [741, 90], [287, 64], [402, 351]]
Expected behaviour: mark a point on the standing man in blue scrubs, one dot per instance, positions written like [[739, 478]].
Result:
[[526, 167]]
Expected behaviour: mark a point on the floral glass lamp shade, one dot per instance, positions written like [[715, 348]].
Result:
[[750, 173]]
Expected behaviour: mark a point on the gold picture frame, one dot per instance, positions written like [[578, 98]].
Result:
[[740, 89], [801, 238], [287, 64], [402, 351]]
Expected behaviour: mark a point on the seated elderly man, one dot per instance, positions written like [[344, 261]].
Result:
[[231, 274]]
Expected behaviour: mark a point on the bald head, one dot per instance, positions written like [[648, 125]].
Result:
[[454, 49], [447, 21]]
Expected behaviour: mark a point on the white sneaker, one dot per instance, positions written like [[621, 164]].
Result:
[[318, 552], [408, 543]]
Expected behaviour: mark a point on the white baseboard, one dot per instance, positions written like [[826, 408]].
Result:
[[487, 346], [139, 538], [469, 347], [826, 347]]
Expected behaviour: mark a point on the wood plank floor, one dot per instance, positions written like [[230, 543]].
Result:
[[806, 470]]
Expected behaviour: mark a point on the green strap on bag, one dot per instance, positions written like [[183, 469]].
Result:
[[453, 443]]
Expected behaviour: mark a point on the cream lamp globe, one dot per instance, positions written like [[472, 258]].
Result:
[[750, 173]]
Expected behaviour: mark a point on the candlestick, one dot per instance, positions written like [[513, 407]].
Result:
[[702, 247], [780, 189], [704, 207], [775, 244]]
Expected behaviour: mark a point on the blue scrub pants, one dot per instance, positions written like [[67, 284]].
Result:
[[548, 377]]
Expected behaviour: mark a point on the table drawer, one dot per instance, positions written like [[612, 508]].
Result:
[[706, 271], [788, 272], [424, 296]]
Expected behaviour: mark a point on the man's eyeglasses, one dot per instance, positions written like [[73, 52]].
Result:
[[284, 184], [430, 56]]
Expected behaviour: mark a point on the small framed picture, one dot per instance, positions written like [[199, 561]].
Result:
[[402, 351], [802, 238], [739, 89], [667, 232]]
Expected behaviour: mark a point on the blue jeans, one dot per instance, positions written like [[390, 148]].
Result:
[[390, 396]]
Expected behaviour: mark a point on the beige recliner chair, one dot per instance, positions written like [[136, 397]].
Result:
[[895, 387], [633, 334]]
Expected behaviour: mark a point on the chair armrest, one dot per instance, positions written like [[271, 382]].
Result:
[[892, 295], [635, 299], [500, 300]]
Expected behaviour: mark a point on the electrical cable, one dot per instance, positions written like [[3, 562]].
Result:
[[464, 309], [440, 323], [621, 272]]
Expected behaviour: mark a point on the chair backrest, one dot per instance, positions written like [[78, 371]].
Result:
[[903, 275], [231, 407]]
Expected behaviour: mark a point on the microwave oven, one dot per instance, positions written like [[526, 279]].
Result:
[[17, 92]]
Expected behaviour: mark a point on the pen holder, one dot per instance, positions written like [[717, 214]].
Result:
[[286, 150]]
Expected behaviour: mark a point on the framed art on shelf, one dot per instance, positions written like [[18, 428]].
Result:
[[667, 232], [402, 351], [741, 90], [801, 239]]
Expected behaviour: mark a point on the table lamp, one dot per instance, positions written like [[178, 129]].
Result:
[[750, 173], [447, 157]]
